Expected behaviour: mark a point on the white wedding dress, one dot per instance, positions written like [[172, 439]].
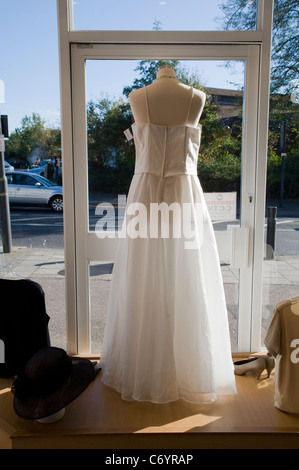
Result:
[[167, 334]]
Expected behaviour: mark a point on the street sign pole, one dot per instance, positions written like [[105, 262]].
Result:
[[4, 202], [282, 146]]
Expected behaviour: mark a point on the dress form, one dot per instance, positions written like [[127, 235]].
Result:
[[169, 101]]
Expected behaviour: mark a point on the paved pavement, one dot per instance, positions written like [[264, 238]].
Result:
[[43, 262]]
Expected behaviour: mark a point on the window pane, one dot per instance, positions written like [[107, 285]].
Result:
[[37, 242], [167, 15], [281, 251], [111, 160]]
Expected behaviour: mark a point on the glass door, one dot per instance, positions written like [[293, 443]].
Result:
[[280, 273], [104, 165]]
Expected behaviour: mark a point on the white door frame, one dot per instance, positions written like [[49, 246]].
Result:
[[82, 246]]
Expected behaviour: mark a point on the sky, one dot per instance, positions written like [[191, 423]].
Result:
[[29, 65]]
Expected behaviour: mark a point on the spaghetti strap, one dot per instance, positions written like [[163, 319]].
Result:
[[146, 104], [191, 99]]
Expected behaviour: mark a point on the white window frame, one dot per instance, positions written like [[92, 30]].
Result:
[[80, 246]]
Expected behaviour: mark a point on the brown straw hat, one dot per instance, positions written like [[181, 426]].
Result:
[[50, 381]]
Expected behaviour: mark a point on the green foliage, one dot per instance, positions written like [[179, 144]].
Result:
[[241, 15], [221, 174], [291, 181], [110, 157], [33, 139], [283, 111], [219, 163], [291, 176]]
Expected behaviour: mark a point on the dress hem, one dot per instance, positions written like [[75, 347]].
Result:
[[206, 398]]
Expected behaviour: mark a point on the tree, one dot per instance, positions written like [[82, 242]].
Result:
[[110, 156], [33, 139], [284, 119], [241, 15]]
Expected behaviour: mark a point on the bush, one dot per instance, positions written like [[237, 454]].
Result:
[[221, 174]]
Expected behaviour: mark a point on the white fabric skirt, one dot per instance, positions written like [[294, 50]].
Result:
[[167, 334]]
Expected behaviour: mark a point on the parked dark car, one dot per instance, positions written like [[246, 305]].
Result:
[[31, 189]]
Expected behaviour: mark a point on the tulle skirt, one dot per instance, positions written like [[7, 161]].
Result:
[[167, 334]]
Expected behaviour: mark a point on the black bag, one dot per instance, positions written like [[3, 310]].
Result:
[[23, 324]]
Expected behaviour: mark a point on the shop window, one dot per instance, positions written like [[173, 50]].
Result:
[[165, 15]]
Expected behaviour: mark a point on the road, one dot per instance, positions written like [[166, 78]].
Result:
[[39, 227], [36, 227]]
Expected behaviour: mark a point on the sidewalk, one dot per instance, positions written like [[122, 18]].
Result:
[[44, 262], [26, 262]]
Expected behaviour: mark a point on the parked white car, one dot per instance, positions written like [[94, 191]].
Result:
[[30, 189]]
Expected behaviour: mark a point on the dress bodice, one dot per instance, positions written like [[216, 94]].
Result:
[[166, 151]]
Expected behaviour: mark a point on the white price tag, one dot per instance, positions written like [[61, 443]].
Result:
[[2, 143], [128, 135]]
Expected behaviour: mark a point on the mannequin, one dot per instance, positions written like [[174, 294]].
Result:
[[282, 342], [168, 101], [166, 336]]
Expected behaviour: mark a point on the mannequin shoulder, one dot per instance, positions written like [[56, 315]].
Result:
[[199, 96], [136, 96], [138, 105]]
